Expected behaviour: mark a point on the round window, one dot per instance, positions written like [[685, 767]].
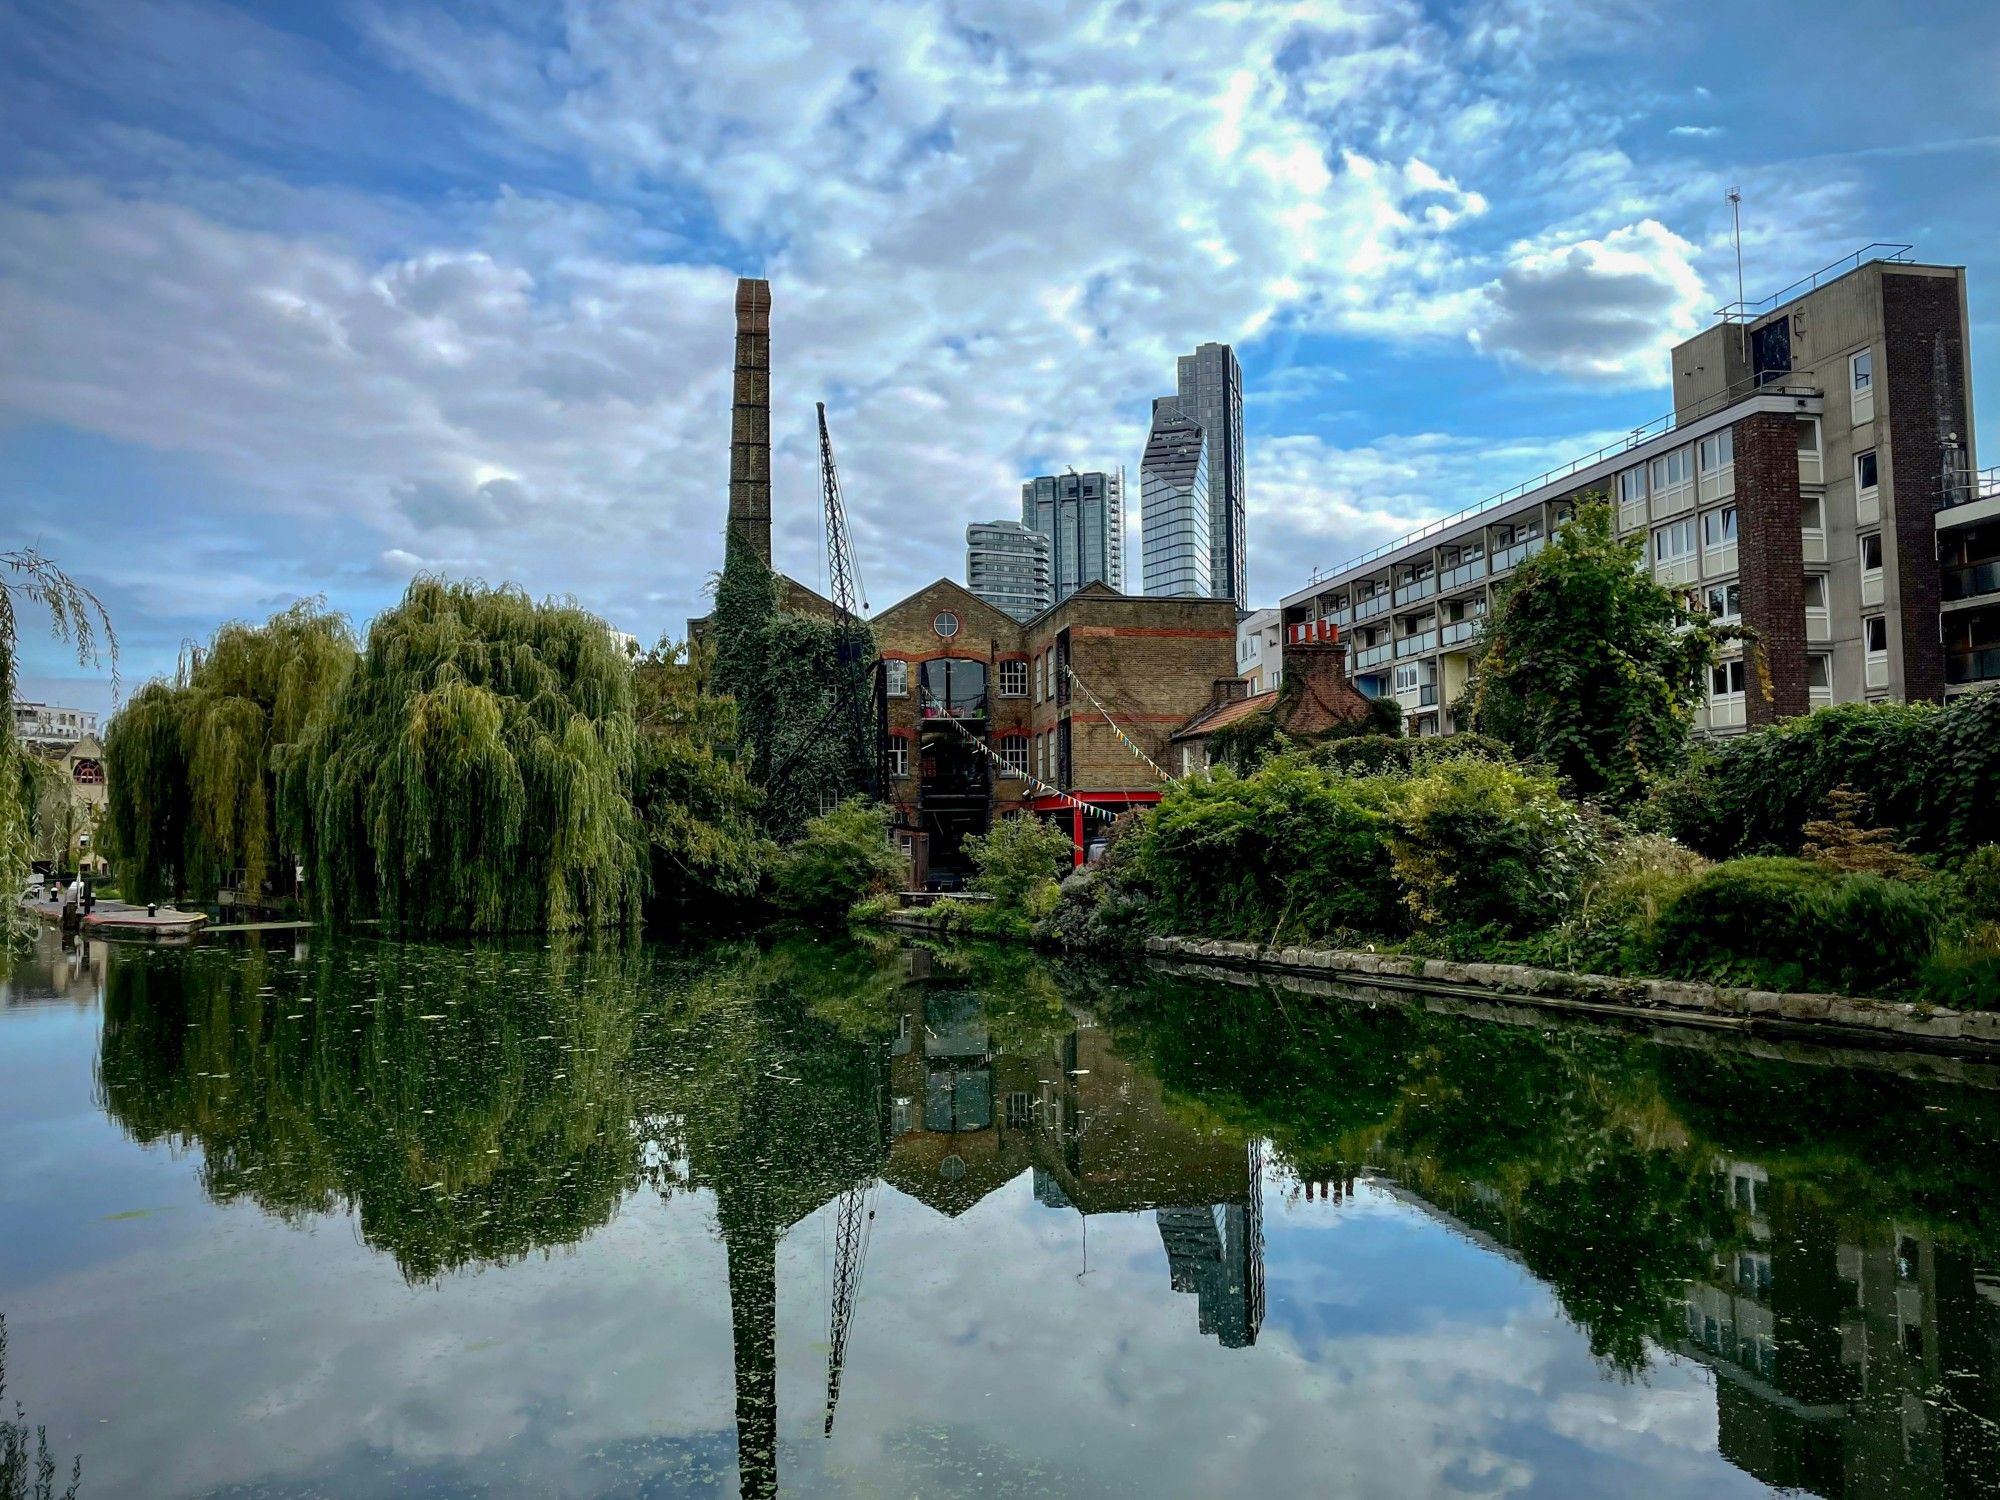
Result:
[[946, 624]]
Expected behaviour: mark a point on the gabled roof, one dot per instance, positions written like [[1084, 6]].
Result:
[[969, 603], [1221, 715]]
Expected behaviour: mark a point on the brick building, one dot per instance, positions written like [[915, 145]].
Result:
[[1816, 481], [960, 675], [1313, 697]]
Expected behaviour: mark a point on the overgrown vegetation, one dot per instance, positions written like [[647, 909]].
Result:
[[27, 1468], [193, 763], [843, 856], [1589, 666]]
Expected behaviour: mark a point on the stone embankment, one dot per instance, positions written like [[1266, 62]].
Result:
[[1680, 1001]]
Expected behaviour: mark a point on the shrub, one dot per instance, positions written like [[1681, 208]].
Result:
[[1839, 842], [1374, 754], [843, 856], [1481, 845], [1791, 923], [1108, 904], [1018, 857], [1290, 848], [1612, 930], [1979, 878]]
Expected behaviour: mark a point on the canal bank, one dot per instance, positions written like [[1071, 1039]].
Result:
[[1838, 1018]]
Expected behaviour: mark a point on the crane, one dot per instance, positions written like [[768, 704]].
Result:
[[853, 645], [852, 1221]]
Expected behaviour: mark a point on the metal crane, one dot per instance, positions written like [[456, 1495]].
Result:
[[853, 646], [843, 573], [852, 1221]]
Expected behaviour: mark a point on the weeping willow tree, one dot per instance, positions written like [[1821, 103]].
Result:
[[803, 695], [194, 763], [76, 618], [474, 772]]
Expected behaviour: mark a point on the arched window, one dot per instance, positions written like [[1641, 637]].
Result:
[[88, 773], [954, 686]]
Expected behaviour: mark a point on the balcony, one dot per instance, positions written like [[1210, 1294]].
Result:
[[1508, 558], [1964, 667], [1459, 631], [1465, 573], [1970, 583], [1417, 644], [1368, 609], [1419, 588]]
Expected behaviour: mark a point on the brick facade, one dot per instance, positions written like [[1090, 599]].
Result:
[[1925, 377], [1772, 573]]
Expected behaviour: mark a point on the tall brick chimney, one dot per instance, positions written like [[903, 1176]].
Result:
[[750, 422], [1313, 668]]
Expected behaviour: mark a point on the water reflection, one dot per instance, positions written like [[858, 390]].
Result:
[[1822, 1239]]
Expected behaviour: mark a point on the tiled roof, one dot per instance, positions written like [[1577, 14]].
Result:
[[1219, 715]]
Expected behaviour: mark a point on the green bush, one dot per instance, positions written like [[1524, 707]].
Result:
[[1481, 845], [843, 856], [1979, 878], [1612, 930], [1018, 858], [1291, 848], [1106, 905], [1375, 754], [1780, 923], [1932, 774]]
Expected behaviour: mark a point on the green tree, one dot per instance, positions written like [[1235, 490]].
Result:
[[474, 772], [76, 617], [698, 810], [1020, 861], [843, 855], [193, 764], [1589, 666]]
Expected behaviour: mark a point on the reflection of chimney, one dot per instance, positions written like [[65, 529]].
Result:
[[750, 422], [753, 1318]]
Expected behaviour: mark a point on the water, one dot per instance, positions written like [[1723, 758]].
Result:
[[366, 1220]]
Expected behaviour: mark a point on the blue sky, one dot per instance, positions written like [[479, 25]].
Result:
[[305, 298]]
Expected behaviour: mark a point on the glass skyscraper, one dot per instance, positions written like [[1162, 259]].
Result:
[[1007, 565], [1210, 390], [1083, 517], [1175, 504]]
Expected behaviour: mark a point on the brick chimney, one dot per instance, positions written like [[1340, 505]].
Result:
[[1230, 690], [1314, 672]]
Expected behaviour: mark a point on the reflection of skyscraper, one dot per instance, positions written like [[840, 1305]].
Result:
[[1217, 1252]]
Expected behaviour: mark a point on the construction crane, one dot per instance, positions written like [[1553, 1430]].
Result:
[[852, 1221], [852, 641]]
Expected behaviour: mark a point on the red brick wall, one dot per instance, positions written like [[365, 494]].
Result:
[[1772, 556], [1925, 375]]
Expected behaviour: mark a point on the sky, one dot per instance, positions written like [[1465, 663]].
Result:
[[308, 298]]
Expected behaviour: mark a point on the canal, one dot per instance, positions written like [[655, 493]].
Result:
[[873, 1219]]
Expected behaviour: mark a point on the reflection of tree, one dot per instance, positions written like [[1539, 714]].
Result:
[[468, 1104]]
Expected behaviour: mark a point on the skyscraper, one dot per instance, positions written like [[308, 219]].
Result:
[[1083, 516], [1210, 390], [1007, 565], [1175, 506]]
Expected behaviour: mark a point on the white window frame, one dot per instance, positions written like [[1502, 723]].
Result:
[[1014, 753], [1013, 677], [1724, 615], [1716, 451], [1861, 385], [896, 677], [899, 757], [1730, 674], [1681, 531], [1724, 517], [1819, 664]]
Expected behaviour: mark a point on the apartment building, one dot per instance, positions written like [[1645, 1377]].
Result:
[[1007, 565], [1816, 481], [1083, 518], [1259, 650]]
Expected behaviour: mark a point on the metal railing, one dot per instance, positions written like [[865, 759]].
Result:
[[1644, 433], [1983, 484], [1961, 667], [1970, 583], [1749, 312]]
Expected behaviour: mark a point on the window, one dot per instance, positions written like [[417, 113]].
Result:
[[1632, 487], [1871, 552], [1819, 673], [1013, 679], [1864, 470], [1041, 757], [946, 624], [1815, 591], [896, 676], [1673, 542], [1724, 601], [1812, 514], [1875, 632], [1725, 678], [1717, 450], [1809, 437], [1020, 1110], [1861, 370], [954, 687], [1718, 527], [899, 757], [1670, 469], [1041, 680], [1014, 753]]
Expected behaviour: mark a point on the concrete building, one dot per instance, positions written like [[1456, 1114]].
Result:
[[1210, 390], [1174, 505], [1083, 518], [978, 703], [51, 724], [1259, 649], [66, 739], [1816, 468], [1007, 565]]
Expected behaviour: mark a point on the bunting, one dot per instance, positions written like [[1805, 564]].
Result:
[[1123, 738], [1016, 772]]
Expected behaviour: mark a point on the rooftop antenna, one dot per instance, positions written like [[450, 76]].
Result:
[[1735, 196]]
